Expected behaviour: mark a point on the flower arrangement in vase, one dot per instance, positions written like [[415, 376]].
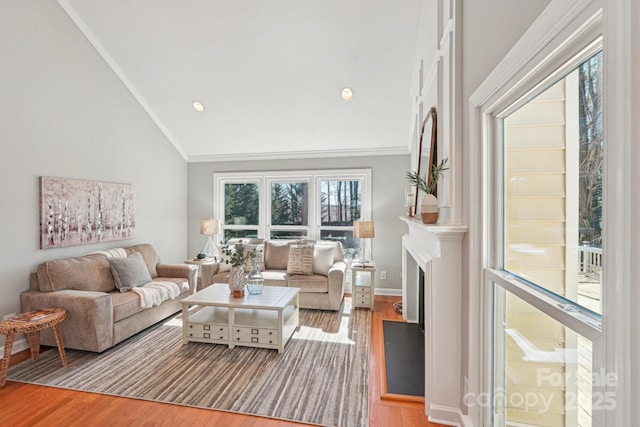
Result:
[[237, 256], [429, 204]]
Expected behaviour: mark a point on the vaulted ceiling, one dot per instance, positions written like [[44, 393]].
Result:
[[268, 72]]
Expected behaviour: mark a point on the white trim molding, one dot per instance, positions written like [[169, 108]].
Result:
[[557, 22], [622, 208], [438, 83], [354, 152], [437, 252]]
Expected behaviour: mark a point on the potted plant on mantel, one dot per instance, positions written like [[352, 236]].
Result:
[[429, 205], [237, 257]]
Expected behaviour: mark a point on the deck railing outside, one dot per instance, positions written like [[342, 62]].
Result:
[[590, 261]]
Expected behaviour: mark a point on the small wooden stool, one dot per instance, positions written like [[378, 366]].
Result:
[[10, 328]]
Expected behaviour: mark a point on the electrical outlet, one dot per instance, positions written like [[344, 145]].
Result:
[[383, 275], [7, 316]]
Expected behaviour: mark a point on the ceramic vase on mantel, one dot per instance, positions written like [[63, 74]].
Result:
[[237, 281], [429, 209]]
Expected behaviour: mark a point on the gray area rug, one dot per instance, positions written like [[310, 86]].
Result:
[[321, 378]]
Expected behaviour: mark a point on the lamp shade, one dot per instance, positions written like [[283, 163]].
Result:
[[209, 226], [363, 229]]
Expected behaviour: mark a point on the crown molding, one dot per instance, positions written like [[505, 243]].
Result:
[[315, 154]]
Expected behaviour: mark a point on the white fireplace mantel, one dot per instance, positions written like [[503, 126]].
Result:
[[436, 250]]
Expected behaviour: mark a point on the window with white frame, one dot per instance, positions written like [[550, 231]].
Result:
[[288, 208], [241, 201], [314, 204], [545, 271], [340, 205]]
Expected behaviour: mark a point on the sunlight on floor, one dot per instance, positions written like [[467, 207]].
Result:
[[343, 336], [174, 321]]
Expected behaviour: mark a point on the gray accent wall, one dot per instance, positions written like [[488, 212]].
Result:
[[387, 204], [64, 113]]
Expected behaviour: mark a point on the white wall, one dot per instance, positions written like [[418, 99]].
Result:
[[64, 113], [387, 203]]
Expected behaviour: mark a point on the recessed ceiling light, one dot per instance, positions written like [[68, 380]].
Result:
[[347, 93], [198, 106]]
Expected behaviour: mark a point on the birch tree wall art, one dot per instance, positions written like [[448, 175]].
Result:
[[79, 212]]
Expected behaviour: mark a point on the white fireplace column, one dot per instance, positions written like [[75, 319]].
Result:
[[436, 249]]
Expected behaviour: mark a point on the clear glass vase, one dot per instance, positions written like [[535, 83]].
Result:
[[255, 281]]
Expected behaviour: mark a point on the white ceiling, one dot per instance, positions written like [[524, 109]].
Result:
[[269, 72]]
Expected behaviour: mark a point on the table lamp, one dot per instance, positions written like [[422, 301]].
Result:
[[363, 230], [209, 227]]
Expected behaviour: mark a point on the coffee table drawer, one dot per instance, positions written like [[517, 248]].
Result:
[[255, 335], [208, 331]]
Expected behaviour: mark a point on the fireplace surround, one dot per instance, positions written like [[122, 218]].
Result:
[[435, 252]]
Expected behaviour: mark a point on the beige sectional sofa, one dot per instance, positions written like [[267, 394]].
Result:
[[100, 315], [321, 282]]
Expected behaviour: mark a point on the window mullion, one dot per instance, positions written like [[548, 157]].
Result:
[[566, 313], [265, 198]]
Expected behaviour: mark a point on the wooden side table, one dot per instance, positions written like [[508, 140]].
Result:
[[363, 289], [10, 328]]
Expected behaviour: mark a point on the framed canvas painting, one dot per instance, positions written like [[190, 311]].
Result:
[[80, 212]]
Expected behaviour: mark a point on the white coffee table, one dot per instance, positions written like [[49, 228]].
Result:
[[267, 320]]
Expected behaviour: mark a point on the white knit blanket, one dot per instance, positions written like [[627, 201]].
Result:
[[112, 253], [155, 293]]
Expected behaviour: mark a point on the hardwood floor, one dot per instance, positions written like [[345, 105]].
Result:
[[32, 405]]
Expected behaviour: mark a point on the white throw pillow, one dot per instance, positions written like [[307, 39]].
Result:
[[323, 258]]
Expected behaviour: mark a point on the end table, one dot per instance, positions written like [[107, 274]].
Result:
[[362, 289], [32, 328], [198, 263]]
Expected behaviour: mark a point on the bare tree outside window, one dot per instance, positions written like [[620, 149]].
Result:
[[341, 202], [341, 205], [591, 150]]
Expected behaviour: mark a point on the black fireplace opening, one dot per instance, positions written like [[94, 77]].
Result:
[[421, 299]]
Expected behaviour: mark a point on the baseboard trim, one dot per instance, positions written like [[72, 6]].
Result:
[[388, 291], [18, 346], [466, 421], [448, 416]]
